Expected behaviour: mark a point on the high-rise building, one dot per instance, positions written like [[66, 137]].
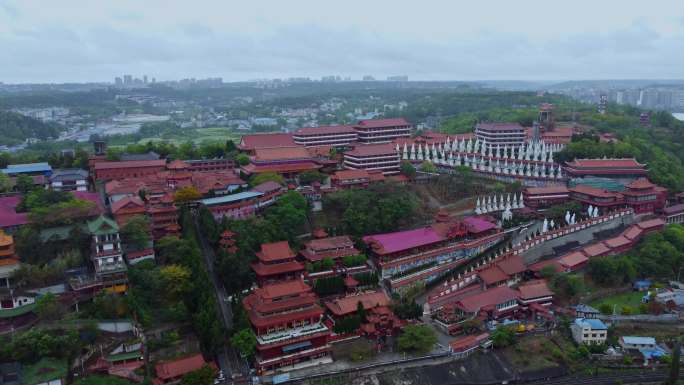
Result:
[[128, 79], [144, 79], [118, 81], [603, 104]]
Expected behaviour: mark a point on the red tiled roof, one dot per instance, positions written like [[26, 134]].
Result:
[[536, 267], [177, 165], [503, 126], [641, 183], [126, 201], [130, 164], [341, 129], [349, 281], [378, 176], [377, 123], [139, 253], [9, 217], [489, 297], [651, 224], [267, 187], [280, 319], [177, 368], [373, 150], [534, 289], [275, 251], [287, 167], [350, 174], [546, 190], [606, 163], [478, 225], [492, 275], [512, 265], [674, 209], [276, 290], [595, 250], [572, 260], [341, 241], [402, 240], [281, 153], [468, 342], [265, 270], [633, 232], [347, 305], [270, 140], [593, 191], [616, 242]]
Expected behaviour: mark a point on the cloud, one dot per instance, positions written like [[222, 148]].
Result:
[[81, 41]]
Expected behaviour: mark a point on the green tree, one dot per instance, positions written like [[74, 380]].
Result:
[[242, 159], [309, 177], [503, 336], [407, 169], [605, 308], [186, 194], [202, 376], [5, 183], [136, 232], [48, 307], [361, 311], [245, 342], [428, 167], [175, 280], [267, 177], [24, 183], [417, 339]]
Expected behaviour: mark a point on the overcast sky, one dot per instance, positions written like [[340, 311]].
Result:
[[90, 40]]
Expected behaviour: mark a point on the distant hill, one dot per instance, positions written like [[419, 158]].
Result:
[[16, 128]]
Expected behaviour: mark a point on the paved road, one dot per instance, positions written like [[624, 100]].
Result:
[[226, 358]]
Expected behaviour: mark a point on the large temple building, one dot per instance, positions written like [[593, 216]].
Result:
[[289, 328], [625, 170], [501, 134], [382, 130], [373, 157], [336, 136], [640, 194], [404, 258]]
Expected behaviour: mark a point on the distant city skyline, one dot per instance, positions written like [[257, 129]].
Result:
[[82, 41]]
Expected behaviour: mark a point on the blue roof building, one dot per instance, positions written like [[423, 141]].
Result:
[[42, 168], [232, 198], [589, 331]]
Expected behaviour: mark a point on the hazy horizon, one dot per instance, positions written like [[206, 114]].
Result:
[[76, 41]]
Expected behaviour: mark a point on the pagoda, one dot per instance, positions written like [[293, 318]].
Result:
[[107, 255], [276, 262], [287, 322], [227, 242], [9, 262]]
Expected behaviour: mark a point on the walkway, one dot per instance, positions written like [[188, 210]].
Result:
[[227, 359]]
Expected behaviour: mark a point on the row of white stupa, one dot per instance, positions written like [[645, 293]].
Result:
[[491, 204], [537, 151], [462, 279]]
